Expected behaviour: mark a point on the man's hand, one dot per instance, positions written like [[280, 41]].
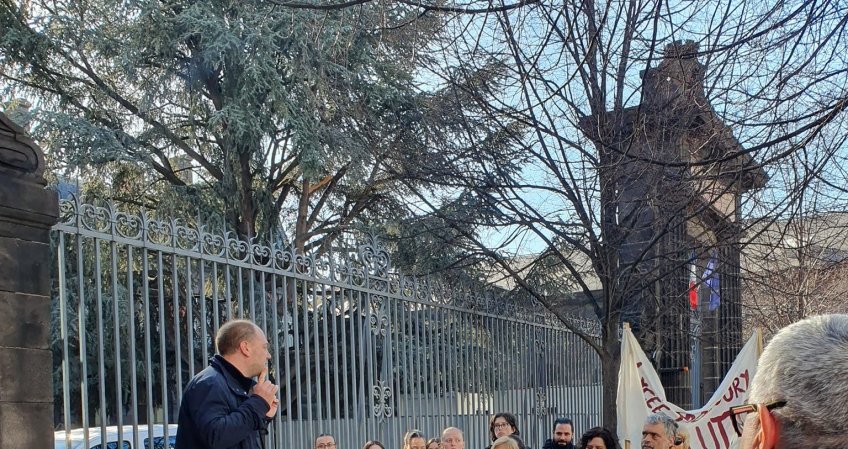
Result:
[[273, 410], [266, 390]]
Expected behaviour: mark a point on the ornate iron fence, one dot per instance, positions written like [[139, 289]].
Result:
[[360, 351]]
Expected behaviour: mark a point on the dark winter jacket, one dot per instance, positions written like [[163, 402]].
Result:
[[218, 411], [551, 444]]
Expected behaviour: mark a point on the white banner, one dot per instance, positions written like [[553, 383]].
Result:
[[640, 393]]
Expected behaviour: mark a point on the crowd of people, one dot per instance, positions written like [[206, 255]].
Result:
[[660, 432], [798, 398]]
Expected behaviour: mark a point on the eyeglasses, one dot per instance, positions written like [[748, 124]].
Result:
[[325, 446], [501, 425], [738, 413]]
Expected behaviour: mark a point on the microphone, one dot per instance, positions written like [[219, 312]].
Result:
[[271, 376]]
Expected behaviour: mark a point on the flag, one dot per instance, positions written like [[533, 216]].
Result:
[[693, 283], [711, 281]]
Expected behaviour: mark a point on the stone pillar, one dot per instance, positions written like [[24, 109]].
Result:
[[27, 211]]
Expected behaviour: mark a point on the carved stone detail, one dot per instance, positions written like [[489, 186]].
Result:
[[19, 155]]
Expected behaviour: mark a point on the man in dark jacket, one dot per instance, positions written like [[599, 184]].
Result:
[[563, 435], [222, 406]]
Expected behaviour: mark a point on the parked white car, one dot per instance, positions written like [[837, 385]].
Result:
[[75, 439]]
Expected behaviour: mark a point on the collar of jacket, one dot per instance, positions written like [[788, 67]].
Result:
[[237, 382], [551, 444]]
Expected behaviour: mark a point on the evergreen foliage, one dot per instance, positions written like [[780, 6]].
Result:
[[297, 120]]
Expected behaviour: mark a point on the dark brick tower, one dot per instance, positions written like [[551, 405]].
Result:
[[680, 174]]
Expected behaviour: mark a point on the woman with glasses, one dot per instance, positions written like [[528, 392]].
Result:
[[505, 425]]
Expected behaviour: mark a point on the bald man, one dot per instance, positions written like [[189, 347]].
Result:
[[452, 438], [222, 406]]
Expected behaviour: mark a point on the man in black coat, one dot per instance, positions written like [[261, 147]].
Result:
[[222, 406], [563, 435]]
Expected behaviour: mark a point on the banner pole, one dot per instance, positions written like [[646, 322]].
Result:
[[626, 442], [759, 341]]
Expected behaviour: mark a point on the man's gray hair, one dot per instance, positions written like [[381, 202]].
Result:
[[668, 423], [806, 364]]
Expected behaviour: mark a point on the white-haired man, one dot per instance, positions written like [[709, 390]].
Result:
[[660, 432], [799, 396]]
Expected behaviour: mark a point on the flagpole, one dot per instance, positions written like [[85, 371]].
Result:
[[626, 441], [759, 331]]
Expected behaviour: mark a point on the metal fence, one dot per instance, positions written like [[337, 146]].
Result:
[[359, 350]]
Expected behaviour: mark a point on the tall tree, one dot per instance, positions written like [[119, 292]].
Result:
[[271, 114], [773, 73]]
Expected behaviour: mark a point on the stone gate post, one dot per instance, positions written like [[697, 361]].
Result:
[[27, 211]]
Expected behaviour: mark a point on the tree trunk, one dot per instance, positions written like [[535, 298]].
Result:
[[302, 217], [610, 363], [247, 207]]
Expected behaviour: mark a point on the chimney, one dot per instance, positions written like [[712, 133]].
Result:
[[677, 82]]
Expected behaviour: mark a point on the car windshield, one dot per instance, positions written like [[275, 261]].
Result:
[[159, 442]]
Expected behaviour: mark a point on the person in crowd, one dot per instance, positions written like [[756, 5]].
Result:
[[434, 443], [660, 432], [222, 406], [684, 438], [452, 438], [598, 438], [505, 442], [502, 425], [325, 441], [799, 396], [563, 435], [373, 444], [414, 439]]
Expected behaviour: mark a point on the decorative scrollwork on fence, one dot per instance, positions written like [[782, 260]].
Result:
[[213, 244], [159, 232], [366, 266], [382, 401], [285, 260], [96, 218], [407, 286], [237, 249], [378, 319], [342, 273], [131, 227], [541, 406], [375, 257]]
